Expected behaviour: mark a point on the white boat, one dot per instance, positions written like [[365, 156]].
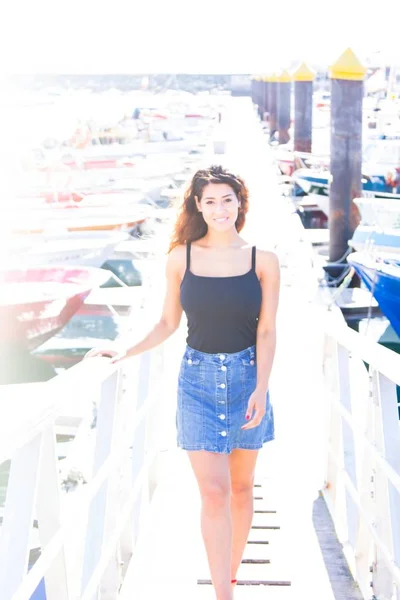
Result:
[[135, 151], [370, 239], [60, 220], [319, 200], [379, 229], [73, 248]]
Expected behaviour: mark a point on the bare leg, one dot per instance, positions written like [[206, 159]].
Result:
[[242, 466], [212, 473]]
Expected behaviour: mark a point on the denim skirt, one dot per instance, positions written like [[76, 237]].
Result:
[[213, 394]]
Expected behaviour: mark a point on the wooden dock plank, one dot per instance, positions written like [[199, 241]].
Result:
[[266, 520], [275, 571], [250, 593]]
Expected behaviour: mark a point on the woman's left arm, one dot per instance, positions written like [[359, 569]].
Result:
[[269, 273]]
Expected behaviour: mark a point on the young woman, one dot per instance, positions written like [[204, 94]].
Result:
[[229, 292]]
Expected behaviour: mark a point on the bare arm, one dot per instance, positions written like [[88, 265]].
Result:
[[169, 320], [171, 312], [266, 335], [266, 330]]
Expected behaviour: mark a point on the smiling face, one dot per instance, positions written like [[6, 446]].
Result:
[[219, 206]]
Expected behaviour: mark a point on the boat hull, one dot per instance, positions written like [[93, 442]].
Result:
[[82, 223], [317, 182], [86, 249], [381, 275], [36, 303]]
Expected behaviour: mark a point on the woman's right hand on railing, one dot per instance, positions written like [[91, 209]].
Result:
[[112, 353]]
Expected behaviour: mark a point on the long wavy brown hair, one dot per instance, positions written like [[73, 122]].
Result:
[[190, 225]]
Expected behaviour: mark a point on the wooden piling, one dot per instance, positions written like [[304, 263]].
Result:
[[265, 84], [258, 94], [347, 89], [284, 89], [303, 108], [272, 104]]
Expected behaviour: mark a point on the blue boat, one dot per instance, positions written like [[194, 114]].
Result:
[[380, 171], [381, 275], [315, 181]]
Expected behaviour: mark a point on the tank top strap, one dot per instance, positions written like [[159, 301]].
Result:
[[188, 246], [253, 258]]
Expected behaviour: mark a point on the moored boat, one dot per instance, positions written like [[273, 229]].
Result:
[[316, 181], [379, 228], [35, 303], [369, 238], [90, 219], [79, 248], [381, 275]]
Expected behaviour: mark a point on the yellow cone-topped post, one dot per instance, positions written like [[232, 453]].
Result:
[[284, 86], [347, 89], [303, 104], [272, 104]]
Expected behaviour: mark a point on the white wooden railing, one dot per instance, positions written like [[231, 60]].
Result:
[[88, 536], [362, 487]]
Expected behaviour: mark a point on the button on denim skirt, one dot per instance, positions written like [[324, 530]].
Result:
[[213, 394]]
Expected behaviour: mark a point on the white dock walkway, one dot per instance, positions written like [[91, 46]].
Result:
[[104, 539], [296, 554]]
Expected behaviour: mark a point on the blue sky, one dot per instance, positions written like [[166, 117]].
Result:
[[82, 36]]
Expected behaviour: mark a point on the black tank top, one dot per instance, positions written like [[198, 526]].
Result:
[[222, 312]]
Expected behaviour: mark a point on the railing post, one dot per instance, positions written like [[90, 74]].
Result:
[[387, 498], [18, 516], [139, 442], [49, 516], [362, 550], [335, 454], [103, 507], [349, 456], [129, 537], [155, 423]]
